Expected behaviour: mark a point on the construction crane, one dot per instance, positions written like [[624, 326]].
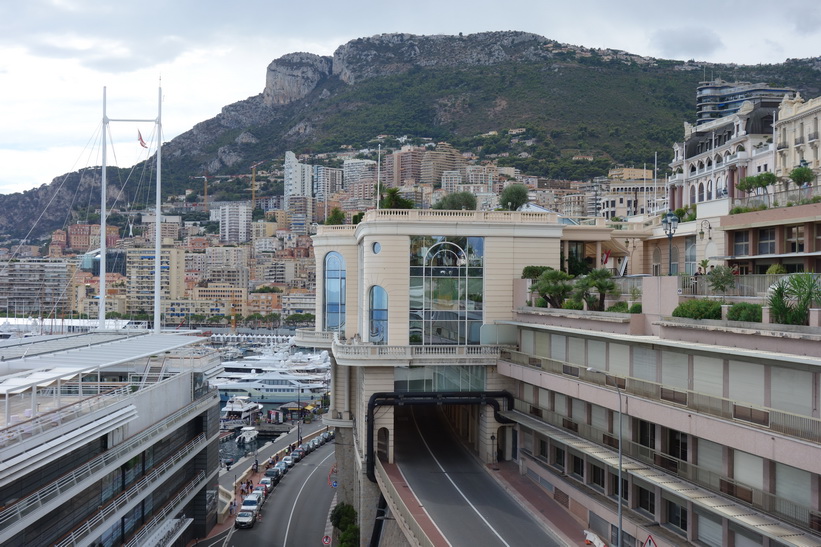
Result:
[[205, 188], [254, 185]]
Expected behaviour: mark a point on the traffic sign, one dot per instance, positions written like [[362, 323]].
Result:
[[650, 541], [326, 540], [333, 484]]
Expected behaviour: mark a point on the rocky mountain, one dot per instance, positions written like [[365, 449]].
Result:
[[607, 104]]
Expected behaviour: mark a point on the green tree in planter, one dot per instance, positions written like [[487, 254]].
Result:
[[791, 298], [554, 286], [721, 279], [594, 288], [801, 176], [336, 217]]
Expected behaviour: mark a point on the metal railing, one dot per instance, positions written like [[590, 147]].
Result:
[[797, 514], [751, 285], [783, 198], [120, 502], [34, 502], [784, 423], [400, 511]]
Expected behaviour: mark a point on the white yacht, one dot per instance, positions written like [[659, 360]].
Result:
[[247, 435]]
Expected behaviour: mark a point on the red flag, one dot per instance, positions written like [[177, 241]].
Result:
[[140, 138]]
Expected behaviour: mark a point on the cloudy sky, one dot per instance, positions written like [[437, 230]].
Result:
[[56, 56]]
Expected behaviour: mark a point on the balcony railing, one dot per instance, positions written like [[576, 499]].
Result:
[[778, 421], [752, 285], [797, 514], [78, 478], [784, 198], [799, 141], [439, 353], [812, 136]]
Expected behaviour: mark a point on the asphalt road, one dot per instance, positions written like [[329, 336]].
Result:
[[296, 512], [467, 505]]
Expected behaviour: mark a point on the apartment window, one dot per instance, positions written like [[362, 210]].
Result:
[[677, 444], [543, 448], [578, 467], [741, 243], [647, 501], [766, 241], [558, 458], [795, 239], [597, 476], [647, 434], [676, 515]]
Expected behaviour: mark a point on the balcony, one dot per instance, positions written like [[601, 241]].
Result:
[[363, 354], [813, 136], [799, 141], [784, 198], [311, 338]]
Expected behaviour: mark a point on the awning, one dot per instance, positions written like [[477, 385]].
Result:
[[309, 407]]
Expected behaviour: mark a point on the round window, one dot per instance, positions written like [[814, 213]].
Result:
[[376, 248]]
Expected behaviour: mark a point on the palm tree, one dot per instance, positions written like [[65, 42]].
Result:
[[554, 286], [597, 280]]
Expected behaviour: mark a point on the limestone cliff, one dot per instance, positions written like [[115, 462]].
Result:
[[293, 76]]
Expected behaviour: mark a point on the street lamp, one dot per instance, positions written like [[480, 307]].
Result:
[[621, 485], [493, 443], [670, 222]]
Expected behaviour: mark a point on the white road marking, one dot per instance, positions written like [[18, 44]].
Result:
[[301, 488]]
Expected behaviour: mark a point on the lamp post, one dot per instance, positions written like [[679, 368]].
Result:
[[493, 454], [670, 222], [621, 485]]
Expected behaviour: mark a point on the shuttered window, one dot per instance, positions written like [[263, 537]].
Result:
[[674, 369], [746, 382], [711, 456], [708, 375], [644, 363], [542, 341], [576, 351], [561, 404], [527, 341], [748, 469], [598, 418], [709, 530], [791, 390], [793, 484], [579, 411], [557, 347], [596, 354], [619, 362]]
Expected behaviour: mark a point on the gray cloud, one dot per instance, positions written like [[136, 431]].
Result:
[[686, 42]]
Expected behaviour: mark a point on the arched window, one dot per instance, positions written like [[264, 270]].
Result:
[[378, 316], [656, 261], [700, 191], [709, 190], [334, 292], [446, 290], [692, 194], [674, 260]]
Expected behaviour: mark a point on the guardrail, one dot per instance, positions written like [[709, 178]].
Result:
[[412, 529], [35, 502], [777, 421], [120, 502]]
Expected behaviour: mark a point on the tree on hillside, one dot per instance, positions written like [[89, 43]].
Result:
[[457, 201], [513, 197]]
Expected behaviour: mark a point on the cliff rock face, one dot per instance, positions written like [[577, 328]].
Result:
[[387, 54], [293, 76]]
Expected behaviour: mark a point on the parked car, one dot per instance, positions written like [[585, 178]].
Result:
[[282, 466], [269, 482], [252, 502], [245, 519], [262, 489], [315, 443], [274, 474], [298, 454], [289, 461]]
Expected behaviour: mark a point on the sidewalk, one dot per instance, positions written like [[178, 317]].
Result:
[[553, 515]]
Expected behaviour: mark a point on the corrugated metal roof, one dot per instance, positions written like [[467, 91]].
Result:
[[65, 357]]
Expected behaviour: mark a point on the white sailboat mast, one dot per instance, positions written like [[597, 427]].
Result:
[[158, 216], [158, 221], [103, 250]]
